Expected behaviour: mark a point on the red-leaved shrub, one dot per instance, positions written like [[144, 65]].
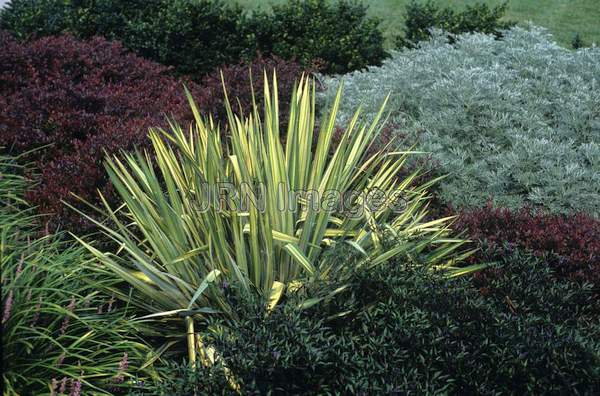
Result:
[[76, 100], [212, 101], [570, 244], [72, 101]]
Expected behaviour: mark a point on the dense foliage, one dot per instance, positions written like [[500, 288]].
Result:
[[198, 36], [235, 231], [413, 332], [421, 17], [194, 36], [113, 19], [59, 331], [73, 101], [338, 36], [257, 213], [240, 79], [515, 120], [570, 244]]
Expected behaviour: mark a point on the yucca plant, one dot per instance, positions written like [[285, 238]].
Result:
[[177, 247], [60, 333]]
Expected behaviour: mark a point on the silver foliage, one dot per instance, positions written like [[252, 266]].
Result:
[[515, 120]]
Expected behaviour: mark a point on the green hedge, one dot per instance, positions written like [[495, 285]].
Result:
[[337, 36], [197, 36], [193, 36], [423, 16]]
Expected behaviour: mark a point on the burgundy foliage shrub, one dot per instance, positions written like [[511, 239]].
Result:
[[570, 244], [212, 101], [73, 101]]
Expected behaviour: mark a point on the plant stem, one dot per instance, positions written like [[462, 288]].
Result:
[[189, 322]]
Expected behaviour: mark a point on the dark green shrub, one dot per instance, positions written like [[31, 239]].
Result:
[[577, 42], [525, 333], [180, 379], [194, 37], [421, 17], [281, 353], [339, 35], [112, 19], [197, 36], [284, 352], [412, 332], [30, 18]]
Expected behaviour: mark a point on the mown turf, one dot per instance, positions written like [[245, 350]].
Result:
[[564, 18]]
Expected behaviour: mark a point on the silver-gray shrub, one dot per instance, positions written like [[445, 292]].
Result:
[[516, 120]]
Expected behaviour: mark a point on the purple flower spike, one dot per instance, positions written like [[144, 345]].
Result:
[[53, 386], [75, 388], [63, 386], [65, 324], [20, 265], [7, 307], [36, 315], [124, 363]]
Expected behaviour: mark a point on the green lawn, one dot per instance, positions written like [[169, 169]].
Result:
[[563, 18]]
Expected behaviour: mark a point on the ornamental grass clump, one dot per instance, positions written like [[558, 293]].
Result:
[[183, 250], [60, 333]]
